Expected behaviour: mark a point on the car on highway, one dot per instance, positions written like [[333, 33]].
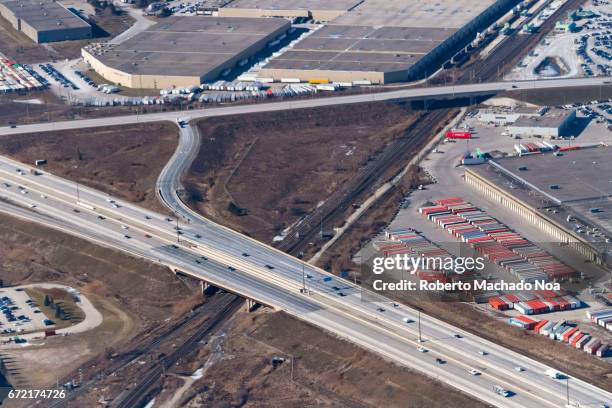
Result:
[[519, 369], [231, 268], [245, 254], [458, 336], [380, 309], [422, 349], [440, 361], [127, 237], [269, 266], [407, 320], [502, 391], [473, 371], [482, 353]]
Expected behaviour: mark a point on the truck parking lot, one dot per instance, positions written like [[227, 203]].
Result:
[[583, 50], [20, 314]]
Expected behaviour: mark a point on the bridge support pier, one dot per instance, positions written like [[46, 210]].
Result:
[[207, 288], [251, 305]]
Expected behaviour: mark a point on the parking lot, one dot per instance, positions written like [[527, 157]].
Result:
[[20, 314], [442, 165], [584, 51]]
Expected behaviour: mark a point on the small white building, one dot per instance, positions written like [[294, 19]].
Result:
[[504, 117], [554, 123]]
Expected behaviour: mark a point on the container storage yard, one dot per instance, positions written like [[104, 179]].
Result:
[[15, 77], [565, 332], [496, 241], [406, 241]]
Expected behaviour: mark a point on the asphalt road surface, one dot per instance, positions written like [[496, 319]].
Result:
[[260, 272], [413, 93]]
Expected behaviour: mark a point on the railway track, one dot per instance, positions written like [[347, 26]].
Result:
[[332, 211], [141, 348], [341, 200], [224, 307]]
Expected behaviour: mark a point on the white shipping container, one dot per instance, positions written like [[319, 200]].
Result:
[[326, 87], [290, 80]]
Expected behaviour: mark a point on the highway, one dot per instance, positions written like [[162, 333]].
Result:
[[273, 278], [411, 93]]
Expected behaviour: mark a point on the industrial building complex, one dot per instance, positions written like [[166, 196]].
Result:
[[44, 20], [386, 41], [367, 42], [183, 51], [566, 194]]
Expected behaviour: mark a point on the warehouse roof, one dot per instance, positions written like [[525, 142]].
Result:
[[422, 13], [551, 119], [187, 46], [361, 48], [294, 4], [579, 175], [380, 35], [584, 181], [44, 15]]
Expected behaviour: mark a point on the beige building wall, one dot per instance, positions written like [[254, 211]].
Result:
[[330, 76], [29, 31], [248, 12], [326, 15], [137, 81], [9, 16], [554, 230]]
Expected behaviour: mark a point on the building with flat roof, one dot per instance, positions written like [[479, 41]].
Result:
[[383, 41], [554, 123], [183, 51], [568, 195], [44, 20], [319, 10]]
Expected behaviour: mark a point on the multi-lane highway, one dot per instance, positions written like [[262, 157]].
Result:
[[225, 258], [411, 93]]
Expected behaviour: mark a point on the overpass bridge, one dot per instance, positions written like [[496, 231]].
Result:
[[406, 94]]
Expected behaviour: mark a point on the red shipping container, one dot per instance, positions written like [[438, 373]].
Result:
[[456, 134]]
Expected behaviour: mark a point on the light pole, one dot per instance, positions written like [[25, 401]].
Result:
[[420, 337], [303, 275]]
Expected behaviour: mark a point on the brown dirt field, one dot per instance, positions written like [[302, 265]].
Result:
[[327, 371], [133, 295], [338, 257], [123, 161], [18, 46], [280, 165]]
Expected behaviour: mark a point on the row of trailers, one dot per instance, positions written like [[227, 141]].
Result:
[[496, 241], [15, 77], [564, 332], [406, 241], [601, 317]]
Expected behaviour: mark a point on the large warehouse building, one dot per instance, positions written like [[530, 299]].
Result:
[[568, 195], [183, 51], [44, 20], [379, 41]]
